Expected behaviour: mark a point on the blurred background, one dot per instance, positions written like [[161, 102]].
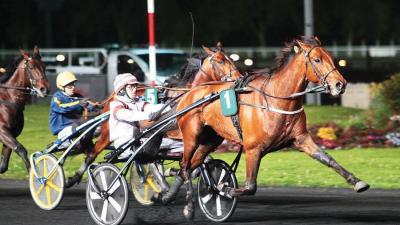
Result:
[[362, 35]]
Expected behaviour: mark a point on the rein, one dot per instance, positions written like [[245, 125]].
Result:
[[323, 87]]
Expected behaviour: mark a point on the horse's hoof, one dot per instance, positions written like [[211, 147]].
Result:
[[3, 169], [361, 186], [71, 181], [157, 197], [188, 212]]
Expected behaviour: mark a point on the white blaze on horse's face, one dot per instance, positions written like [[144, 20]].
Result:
[[321, 69]]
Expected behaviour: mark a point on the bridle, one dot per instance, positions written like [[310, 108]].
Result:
[[322, 87], [32, 90], [322, 77], [218, 68]]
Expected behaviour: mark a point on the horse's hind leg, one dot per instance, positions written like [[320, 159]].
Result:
[[5, 157], [91, 155], [76, 178], [9, 140], [307, 145]]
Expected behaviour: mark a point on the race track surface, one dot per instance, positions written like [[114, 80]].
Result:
[[271, 205]]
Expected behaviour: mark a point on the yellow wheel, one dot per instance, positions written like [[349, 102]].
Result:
[[47, 189], [143, 183]]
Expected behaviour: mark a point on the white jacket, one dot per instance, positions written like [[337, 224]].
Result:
[[125, 115]]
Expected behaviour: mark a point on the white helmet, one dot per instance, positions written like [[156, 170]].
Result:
[[121, 80]]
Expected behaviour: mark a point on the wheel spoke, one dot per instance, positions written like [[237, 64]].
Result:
[[146, 192], [52, 185], [103, 180], [104, 211], [114, 187], [206, 198], [114, 204], [221, 176], [37, 193], [45, 168], [48, 195], [218, 205], [94, 195], [152, 185]]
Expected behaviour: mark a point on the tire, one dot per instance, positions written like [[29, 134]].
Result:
[[216, 207], [143, 190], [111, 209], [47, 192]]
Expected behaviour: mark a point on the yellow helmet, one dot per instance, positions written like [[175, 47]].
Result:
[[65, 78]]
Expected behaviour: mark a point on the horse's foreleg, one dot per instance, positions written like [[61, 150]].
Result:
[[188, 210], [11, 142], [307, 145], [5, 158], [253, 158]]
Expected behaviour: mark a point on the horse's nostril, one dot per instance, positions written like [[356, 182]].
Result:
[[43, 90], [339, 86]]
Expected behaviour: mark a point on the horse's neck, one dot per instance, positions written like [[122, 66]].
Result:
[[285, 82], [290, 79], [202, 77], [18, 80]]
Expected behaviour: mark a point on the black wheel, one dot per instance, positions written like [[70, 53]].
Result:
[[214, 205], [107, 207]]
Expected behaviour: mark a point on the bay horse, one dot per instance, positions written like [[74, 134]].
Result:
[[27, 78], [270, 114], [215, 66]]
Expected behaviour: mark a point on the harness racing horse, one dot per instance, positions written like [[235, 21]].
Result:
[[270, 115], [16, 87], [215, 66]]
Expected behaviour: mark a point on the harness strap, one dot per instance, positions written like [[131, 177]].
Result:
[[236, 124], [272, 109]]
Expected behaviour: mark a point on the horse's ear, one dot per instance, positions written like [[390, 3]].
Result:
[[296, 49], [36, 52], [24, 54], [219, 45], [317, 39], [303, 46], [194, 62], [207, 50]]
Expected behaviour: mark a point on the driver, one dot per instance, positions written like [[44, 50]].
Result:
[[126, 110], [66, 106]]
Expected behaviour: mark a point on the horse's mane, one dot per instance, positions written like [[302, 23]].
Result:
[[10, 70], [285, 55], [187, 72]]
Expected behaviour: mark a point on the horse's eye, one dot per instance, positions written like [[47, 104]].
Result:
[[317, 60], [221, 62]]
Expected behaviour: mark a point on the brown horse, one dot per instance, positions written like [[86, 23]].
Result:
[[27, 78], [215, 66], [270, 115]]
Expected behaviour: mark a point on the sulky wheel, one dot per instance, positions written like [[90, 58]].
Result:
[[143, 183], [217, 207], [47, 189], [107, 207]]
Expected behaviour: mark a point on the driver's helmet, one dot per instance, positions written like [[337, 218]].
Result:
[[65, 78], [121, 80]]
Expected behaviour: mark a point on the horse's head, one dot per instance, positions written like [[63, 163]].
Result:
[[219, 66], [320, 68], [34, 69]]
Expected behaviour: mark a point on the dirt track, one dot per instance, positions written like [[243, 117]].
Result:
[[271, 205]]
